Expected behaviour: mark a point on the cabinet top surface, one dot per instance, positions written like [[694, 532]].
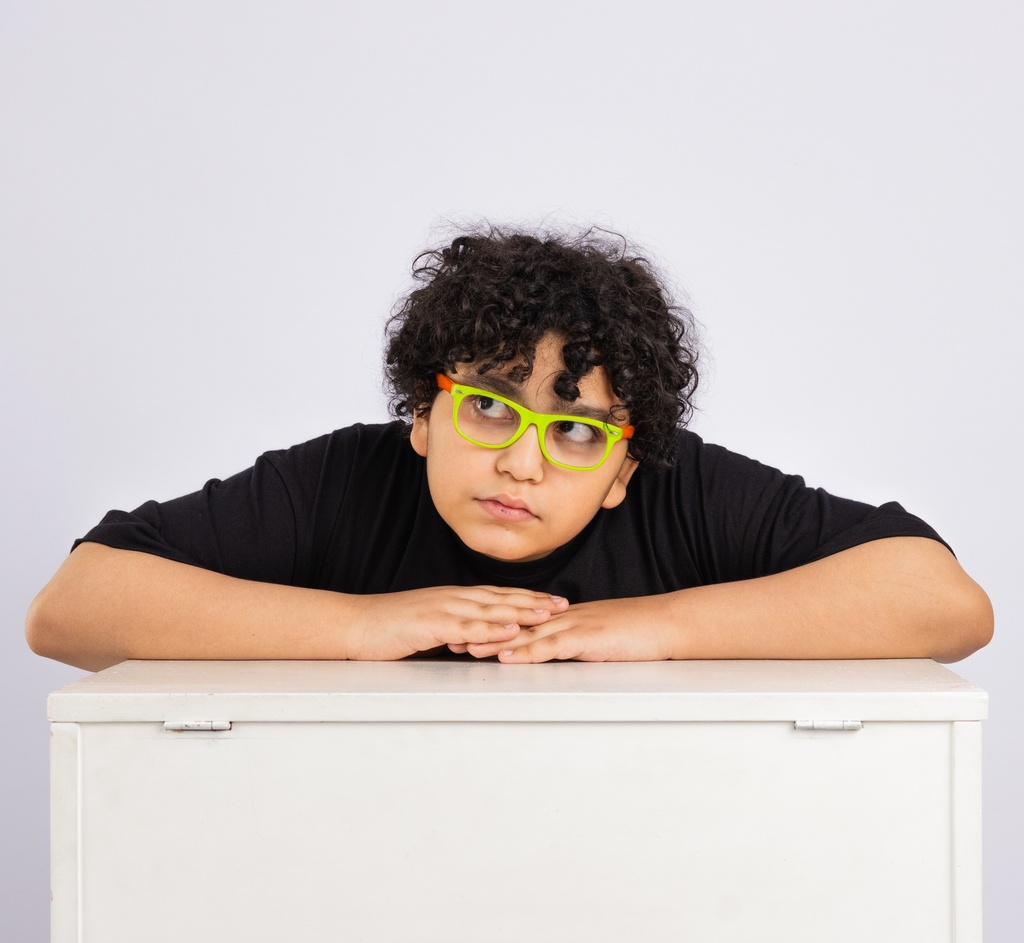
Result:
[[422, 690]]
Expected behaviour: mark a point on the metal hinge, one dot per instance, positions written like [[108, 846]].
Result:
[[827, 724], [184, 725]]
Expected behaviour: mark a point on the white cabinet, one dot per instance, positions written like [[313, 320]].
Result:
[[446, 801]]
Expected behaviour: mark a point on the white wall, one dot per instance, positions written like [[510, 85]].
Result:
[[207, 209]]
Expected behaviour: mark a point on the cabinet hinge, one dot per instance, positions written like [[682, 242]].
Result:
[[827, 724], [185, 725]]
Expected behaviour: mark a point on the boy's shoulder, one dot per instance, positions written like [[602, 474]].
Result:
[[695, 459], [357, 441], [378, 453]]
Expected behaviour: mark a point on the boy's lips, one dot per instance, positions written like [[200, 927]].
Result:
[[504, 507]]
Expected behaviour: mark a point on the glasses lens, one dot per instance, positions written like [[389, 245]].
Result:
[[487, 420], [577, 442]]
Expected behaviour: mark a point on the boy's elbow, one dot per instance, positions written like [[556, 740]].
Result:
[[52, 632], [41, 626], [970, 624]]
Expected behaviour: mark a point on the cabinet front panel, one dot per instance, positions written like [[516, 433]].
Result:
[[506, 831]]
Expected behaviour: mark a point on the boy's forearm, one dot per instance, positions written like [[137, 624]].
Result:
[[104, 606], [901, 597]]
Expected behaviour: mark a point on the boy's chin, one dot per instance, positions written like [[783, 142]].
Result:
[[507, 554]]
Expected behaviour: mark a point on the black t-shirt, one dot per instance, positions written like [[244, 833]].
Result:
[[351, 512]]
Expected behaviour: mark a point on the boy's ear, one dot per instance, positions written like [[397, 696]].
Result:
[[617, 492], [418, 435]]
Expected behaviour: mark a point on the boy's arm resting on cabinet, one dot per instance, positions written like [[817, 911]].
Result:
[[106, 605], [899, 597]]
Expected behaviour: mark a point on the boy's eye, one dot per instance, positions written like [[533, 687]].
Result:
[[578, 433], [486, 407]]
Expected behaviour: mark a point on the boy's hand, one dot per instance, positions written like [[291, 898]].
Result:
[[608, 630], [394, 625]]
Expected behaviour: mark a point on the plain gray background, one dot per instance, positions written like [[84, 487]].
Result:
[[208, 210]]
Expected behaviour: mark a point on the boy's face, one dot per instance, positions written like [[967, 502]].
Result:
[[511, 503]]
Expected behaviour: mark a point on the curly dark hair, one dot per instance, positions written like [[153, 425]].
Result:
[[490, 296]]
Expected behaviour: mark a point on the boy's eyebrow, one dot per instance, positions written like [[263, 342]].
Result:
[[495, 383]]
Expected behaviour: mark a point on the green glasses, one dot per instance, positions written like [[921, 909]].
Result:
[[574, 442]]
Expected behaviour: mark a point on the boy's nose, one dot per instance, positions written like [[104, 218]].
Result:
[[523, 459]]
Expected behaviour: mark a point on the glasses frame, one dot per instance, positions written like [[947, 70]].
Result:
[[540, 421]]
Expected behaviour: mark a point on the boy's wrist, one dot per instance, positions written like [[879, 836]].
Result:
[[675, 625]]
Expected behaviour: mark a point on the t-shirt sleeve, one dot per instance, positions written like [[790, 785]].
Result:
[[253, 525], [754, 520], [804, 524]]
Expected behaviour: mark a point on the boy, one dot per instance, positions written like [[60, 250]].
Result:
[[543, 503]]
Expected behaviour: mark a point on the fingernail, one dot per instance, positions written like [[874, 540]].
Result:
[[511, 625], [558, 599], [506, 652]]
